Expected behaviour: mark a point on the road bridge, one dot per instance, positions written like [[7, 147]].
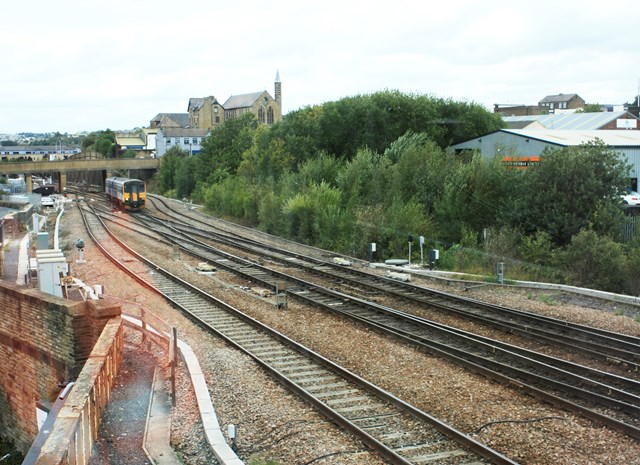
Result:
[[59, 169]]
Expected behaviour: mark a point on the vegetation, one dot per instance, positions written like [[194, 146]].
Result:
[[378, 168], [102, 142]]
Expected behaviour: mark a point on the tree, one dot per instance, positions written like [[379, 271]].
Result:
[[590, 108], [103, 142], [595, 261], [222, 150], [569, 190], [170, 163]]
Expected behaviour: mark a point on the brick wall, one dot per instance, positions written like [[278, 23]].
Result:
[[44, 342]]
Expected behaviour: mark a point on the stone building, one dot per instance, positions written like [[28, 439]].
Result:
[[208, 112]]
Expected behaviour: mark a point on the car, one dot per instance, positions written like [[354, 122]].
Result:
[[631, 198]]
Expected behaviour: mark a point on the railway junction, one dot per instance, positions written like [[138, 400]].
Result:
[[519, 417]]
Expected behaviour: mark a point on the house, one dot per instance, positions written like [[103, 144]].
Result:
[[575, 121], [188, 139], [554, 103], [205, 112], [170, 120], [549, 104], [521, 147]]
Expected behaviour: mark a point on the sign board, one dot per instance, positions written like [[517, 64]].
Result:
[[626, 123], [520, 162]]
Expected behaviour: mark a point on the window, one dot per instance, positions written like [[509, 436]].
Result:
[[194, 140], [217, 119], [186, 141], [270, 115], [177, 140], [167, 141]]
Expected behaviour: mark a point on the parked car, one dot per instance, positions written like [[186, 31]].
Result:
[[631, 198]]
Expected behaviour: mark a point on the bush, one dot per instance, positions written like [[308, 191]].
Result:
[[594, 261]]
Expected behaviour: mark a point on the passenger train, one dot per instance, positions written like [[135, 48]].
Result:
[[128, 194]]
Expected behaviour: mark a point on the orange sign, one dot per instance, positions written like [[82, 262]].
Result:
[[520, 162]]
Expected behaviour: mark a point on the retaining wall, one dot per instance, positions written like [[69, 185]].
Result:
[[44, 342]]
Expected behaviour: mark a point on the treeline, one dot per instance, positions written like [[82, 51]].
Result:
[[378, 169]]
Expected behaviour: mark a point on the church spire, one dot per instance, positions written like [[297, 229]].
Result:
[[278, 90]]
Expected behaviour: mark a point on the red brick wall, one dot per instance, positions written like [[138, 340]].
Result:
[[44, 341]]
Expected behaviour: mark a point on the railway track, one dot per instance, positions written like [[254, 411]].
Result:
[[399, 432], [604, 345], [565, 384]]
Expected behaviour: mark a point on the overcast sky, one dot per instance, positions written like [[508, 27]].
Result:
[[72, 65]]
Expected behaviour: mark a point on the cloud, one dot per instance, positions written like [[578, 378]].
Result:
[[72, 65]]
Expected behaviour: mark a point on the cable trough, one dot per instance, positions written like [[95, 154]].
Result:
[[399, 432]]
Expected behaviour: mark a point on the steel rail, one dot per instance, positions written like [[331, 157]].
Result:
[[603, 344], [259, 342], [337, 302]]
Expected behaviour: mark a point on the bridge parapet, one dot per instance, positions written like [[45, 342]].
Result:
[[63, 166], [44, 341]]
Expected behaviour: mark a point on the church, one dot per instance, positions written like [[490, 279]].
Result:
[[208, 112], [188, 130]]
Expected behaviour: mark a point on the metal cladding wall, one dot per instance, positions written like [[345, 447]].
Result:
[[505, 144], [44, 340]]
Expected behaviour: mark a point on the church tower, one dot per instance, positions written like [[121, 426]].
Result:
[[278, 91]]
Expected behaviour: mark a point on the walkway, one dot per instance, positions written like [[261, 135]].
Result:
[[136, 424], [16, 260]]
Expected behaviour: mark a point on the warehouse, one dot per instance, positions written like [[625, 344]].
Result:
[[522, 147]]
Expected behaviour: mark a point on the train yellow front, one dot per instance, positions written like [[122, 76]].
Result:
[[127, 194]]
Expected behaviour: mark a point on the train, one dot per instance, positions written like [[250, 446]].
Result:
[[127, 194]]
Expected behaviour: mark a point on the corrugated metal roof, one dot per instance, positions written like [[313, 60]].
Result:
[[611, 137], [241, 101], [570, 121], [129, 141]]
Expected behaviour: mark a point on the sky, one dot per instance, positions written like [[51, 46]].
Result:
[[71, 66]]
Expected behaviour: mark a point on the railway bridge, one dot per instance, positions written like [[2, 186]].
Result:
[[60, 169]]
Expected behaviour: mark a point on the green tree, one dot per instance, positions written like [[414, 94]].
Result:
[[169, 165], [185, 181], [590, 108], [222, 150], [103, 142], [569, 190]]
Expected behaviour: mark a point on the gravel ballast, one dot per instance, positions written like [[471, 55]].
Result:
[[275, 425]]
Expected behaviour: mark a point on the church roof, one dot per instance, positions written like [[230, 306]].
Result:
[[242, 100]]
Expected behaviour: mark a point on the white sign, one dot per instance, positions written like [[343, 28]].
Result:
[[627, 123]]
